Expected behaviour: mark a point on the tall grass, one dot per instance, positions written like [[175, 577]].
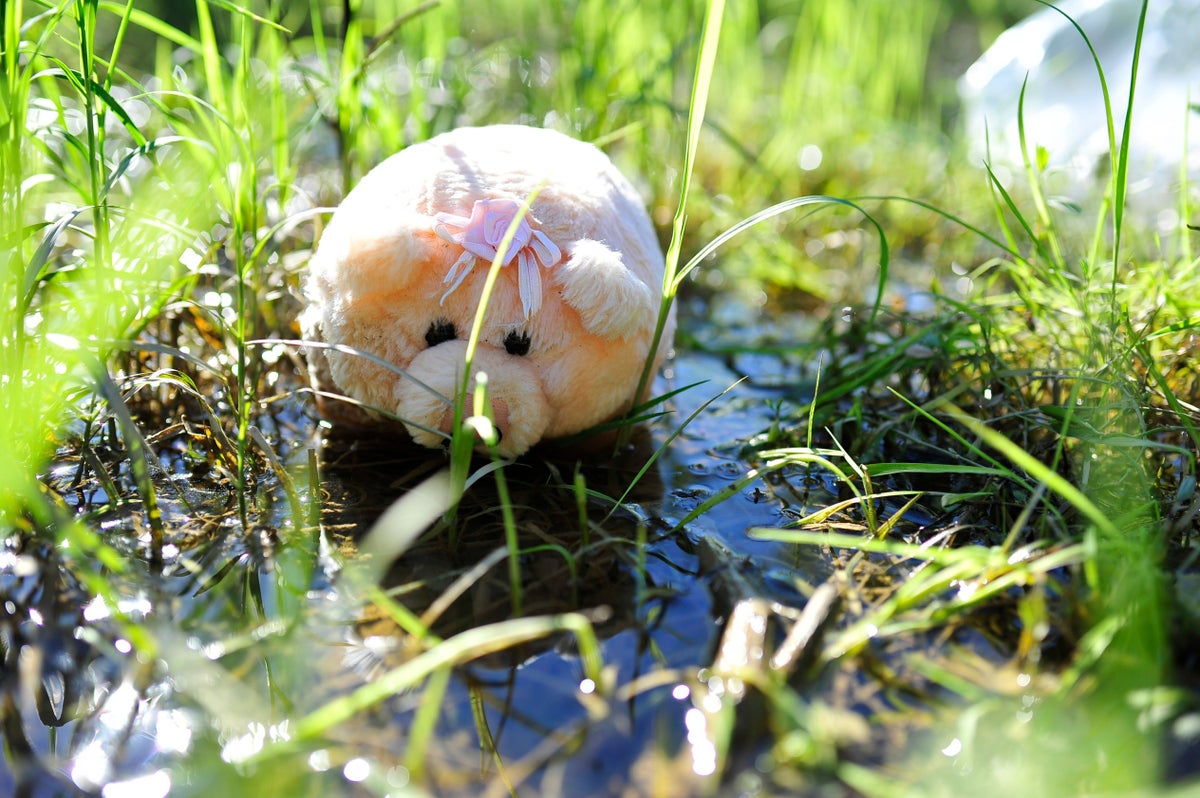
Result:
[[1103, 519], [88, 259]]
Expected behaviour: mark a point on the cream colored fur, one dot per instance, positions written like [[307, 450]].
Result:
[[378, 282]]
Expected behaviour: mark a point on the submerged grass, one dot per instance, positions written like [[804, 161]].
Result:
[[1002, 489]]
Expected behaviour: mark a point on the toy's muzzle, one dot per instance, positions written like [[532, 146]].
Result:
[[519, 409]]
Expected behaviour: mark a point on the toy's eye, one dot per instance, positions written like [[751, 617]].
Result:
[[439, 332], [517, 343]]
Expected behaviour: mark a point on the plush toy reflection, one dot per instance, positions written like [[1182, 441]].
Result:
[[400, 270]]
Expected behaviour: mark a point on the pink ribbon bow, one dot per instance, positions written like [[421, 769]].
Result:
[[480, 237]]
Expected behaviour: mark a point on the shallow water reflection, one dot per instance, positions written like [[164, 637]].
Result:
[[253, 628]]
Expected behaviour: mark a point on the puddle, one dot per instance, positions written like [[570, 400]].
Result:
[[257, 626]]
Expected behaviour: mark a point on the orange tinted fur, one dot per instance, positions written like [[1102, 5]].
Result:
[[379, 283]]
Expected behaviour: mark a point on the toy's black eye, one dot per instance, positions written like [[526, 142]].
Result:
[[516, 343], [439, 332]]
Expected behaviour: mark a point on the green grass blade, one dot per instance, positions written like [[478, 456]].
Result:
[[154, 25], [402, 523], [463, 647], [776, 210], [709, 39], [1037, 470], [665, 444], [710, 36]]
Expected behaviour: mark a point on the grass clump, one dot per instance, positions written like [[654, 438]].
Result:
[[1046, 429]]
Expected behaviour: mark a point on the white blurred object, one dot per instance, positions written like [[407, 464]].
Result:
[[1064, 105]]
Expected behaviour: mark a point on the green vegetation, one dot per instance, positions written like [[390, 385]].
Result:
[[934, 546]]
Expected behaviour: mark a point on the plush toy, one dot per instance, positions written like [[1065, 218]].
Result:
[[399, 273]]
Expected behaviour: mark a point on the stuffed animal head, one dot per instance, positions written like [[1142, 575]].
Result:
[[400, 272]]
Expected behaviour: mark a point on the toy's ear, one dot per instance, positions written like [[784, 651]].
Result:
[[610, 299]]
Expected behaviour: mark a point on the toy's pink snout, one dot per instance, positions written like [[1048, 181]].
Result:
[[499, 415]]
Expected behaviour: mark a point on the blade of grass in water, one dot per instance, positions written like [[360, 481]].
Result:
[[463, 434], [463, 647], [404, 521]]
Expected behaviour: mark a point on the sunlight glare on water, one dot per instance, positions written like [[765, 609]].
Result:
[[153, 785], [120, 706], [91, 767], [704, 753], [966, 588], [244, 746], [357, 769], [172, 732], [95, 610]]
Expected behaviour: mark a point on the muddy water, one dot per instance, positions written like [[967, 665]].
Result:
[[253, 625]]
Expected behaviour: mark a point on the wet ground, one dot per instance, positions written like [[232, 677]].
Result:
[[251, 625]]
